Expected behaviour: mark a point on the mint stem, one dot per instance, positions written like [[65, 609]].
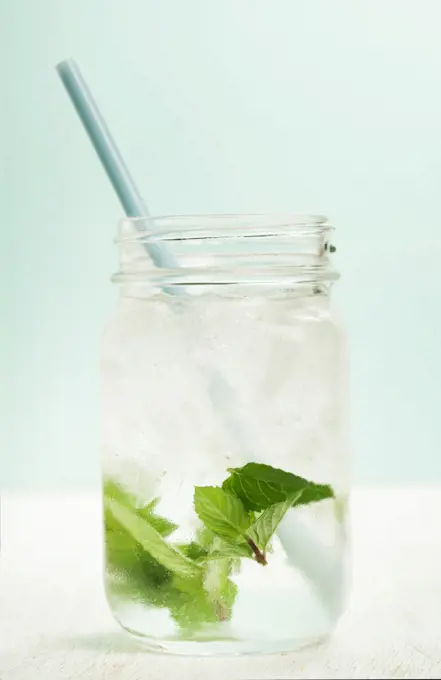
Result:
[[221, 612], [260, 556]]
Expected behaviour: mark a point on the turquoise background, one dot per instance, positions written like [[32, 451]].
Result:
[[222, 105]]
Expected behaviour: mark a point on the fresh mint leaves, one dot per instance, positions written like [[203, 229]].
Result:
[[162, 525], [226, 516], [229, 550], [221, 512], [259, 486], [193, 580], [266, 524], [151, 541], [145, 567]]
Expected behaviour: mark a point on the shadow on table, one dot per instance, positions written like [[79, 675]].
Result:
[[112, 641]]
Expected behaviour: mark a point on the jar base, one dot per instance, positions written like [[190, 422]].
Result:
[[225, 647]]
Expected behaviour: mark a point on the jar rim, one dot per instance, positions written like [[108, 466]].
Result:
[[224, 248], [223, 224]]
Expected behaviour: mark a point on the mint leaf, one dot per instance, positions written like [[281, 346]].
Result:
[[193, 610], [219, 587], [225, 602], [266, 524], [130, 571], [192, 550], [216, 549], [150, 540], [151, 506], [162, 525], [228, 551], [185, 598], [207, 598], [127, 559], [112, 489], [259, 486], [124, 555], [221, 512]]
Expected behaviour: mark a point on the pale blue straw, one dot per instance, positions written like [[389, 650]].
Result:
[[109, 155]]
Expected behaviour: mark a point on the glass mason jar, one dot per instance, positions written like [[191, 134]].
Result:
[[224, 435]]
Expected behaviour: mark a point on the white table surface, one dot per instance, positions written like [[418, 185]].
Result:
[[55, 625]]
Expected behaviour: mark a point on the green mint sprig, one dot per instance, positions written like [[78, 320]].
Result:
[[259, 486], [193, 580], [243, 534]]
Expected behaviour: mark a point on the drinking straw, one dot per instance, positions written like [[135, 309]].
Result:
[[109, 154], [307, 555]]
